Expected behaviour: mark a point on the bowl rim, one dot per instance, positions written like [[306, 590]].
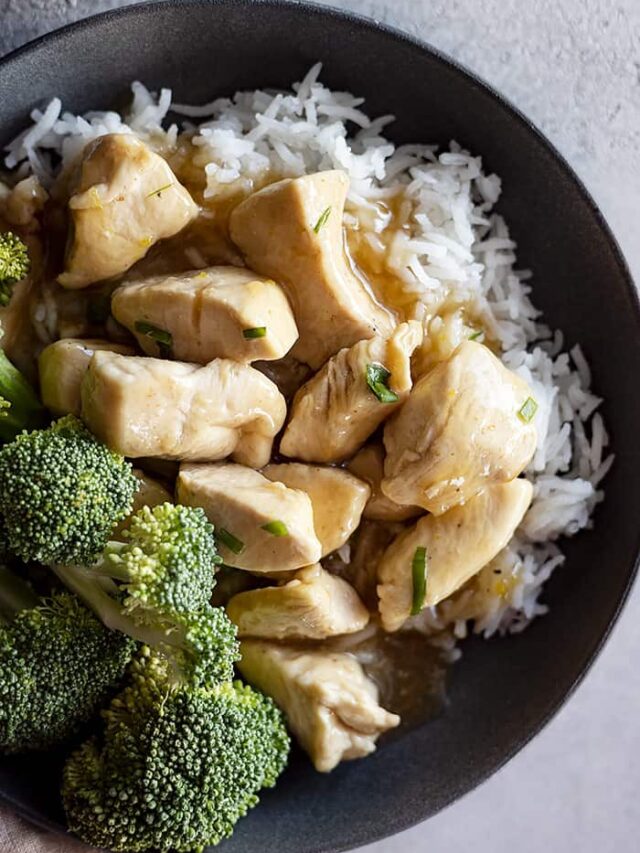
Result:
[[151, 7]]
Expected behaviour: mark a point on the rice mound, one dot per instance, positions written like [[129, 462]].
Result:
[[454, 244]]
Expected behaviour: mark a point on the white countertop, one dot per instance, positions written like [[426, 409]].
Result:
[[573, 66]]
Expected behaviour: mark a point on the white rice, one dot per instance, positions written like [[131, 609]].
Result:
[[454, 244]]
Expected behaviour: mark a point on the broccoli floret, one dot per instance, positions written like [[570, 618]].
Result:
[[14, 264], [156, 587], [19, 406], [62, 492], [175, 768], [58, 665]]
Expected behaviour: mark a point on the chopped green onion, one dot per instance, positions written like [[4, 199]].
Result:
[[4, 405], [276, 528], [163, 338], [378, 380], [159, 190], [229, 540], [528, 410], [256, 332], [477, 336], [322, 219], [419, 576]]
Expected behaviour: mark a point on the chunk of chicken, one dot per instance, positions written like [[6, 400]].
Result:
[[331, 706], [313, 605], [150, 493], [456, 546], [23, 203], [337, 497], [220, 312], [337, 410], [292, 232], [466, 424], [168, 409], [368, 464], [62, 367], [127, 198], [261, 526]]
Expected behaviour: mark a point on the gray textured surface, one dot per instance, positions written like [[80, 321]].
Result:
[[574, 67]]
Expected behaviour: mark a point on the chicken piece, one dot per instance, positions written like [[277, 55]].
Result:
[[260, 526], [313, 605], [435, 557], [150, 493], [338, 409], [154, 407], [127, 198], [466, 424], [62, 367], [220, 312], [292, 232], [337, 497], [24, 203], [331, 706], [368, 465]]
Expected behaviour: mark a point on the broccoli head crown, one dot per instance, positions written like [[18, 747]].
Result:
[[58, 665], [14, 264], [176, 768], [62, 492], [201, 647], [168, 559]]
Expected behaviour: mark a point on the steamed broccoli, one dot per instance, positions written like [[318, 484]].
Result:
[[58, 665], [175, 768], [19, 406], [14, 264], [62, 492], [156, 587]]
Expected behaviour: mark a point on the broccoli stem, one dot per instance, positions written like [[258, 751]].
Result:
[[109, 563], [96, 592], [15, 595], [25, 410]]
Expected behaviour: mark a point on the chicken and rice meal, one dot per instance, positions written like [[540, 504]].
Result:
[[280, 426]]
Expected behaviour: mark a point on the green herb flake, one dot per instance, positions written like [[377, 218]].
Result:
[[322, 219], [230, 541], [276, 528], [419, 578], [527, 411], [159, 191], [378, 381], [256, 332], [477, 336], [163, 338]]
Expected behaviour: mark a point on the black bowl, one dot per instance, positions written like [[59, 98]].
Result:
[[503, 691]]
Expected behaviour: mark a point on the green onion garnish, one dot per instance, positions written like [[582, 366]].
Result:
[[322, 219], [476, 336], [378, 379], [163, 338], [276, 528], [419, 576], [256, 332], [229, 540], [528, 410], [159, 190]]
